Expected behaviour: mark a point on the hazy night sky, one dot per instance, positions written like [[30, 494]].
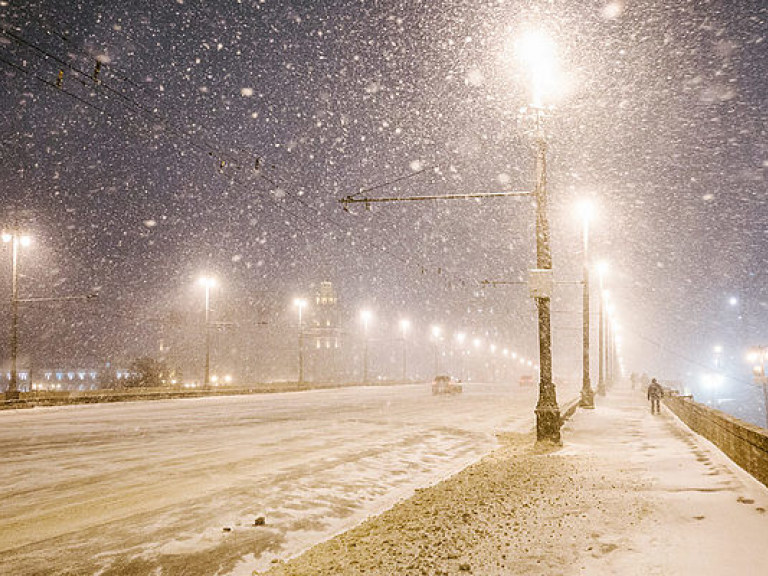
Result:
[[663, 125]]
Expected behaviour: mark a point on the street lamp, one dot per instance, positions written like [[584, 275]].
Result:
[[435, 339], [718, 350], [404, 326], [757, 357], [610, 344], [587, 394], [365, 316], [207, 282], [16, 239], [300, 304], [539, 54], [602, 268]]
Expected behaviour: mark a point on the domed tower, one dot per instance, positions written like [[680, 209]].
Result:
[[325, 334]]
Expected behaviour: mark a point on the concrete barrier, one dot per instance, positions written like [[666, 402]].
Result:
[[106, 395], [744, 443]]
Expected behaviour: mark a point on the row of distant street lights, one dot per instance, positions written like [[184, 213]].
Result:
[[404, 326]]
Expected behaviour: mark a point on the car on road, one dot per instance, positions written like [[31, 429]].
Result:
[[445, 385]]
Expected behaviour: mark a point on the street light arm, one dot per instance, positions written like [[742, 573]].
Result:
[[56, 298], [367, 200]]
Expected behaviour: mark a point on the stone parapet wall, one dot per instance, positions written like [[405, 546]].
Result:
[[744, 443]]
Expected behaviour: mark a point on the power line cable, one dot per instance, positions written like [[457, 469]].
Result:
[[154, 116], [384, 249]]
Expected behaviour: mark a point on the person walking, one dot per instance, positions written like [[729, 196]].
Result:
[[655, 394]]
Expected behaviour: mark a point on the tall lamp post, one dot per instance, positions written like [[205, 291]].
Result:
[[718, 350], [207, 282], [758, 356], [539, 54], [404, 326], [602, 268], [365, 316], [16, 239], [587, 394], [300, 304], [610, 346]]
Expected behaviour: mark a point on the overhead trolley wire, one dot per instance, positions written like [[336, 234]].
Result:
[[440, 271]]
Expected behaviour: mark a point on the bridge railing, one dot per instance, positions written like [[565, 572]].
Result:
[[744, 443]]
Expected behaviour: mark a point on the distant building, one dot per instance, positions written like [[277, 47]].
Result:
[[63, 379], [324, 340]]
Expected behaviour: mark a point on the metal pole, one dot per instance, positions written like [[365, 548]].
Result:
[[608, 354], [547, 411], [601, 342], [610, 364], [587, 394], [207, 378], [405, 358], [13, 391], [615, 371], [365, 353], [301, 349]]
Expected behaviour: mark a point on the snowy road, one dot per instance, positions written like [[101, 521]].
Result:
[[136, 487]]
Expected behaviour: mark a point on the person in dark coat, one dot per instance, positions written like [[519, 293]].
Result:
[[655, 394]]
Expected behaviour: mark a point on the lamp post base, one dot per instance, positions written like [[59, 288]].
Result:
[[587, 398], [548, 424]]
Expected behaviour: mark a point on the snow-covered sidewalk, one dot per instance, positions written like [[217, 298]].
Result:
[[628, 494]]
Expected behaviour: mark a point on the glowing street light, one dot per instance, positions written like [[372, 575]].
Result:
[[405, 325], [712, 382], [538, 53], [207, 282], [718, 350], [300, 304], [16, 239]]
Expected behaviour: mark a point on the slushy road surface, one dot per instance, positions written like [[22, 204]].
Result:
[[174, 487]]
